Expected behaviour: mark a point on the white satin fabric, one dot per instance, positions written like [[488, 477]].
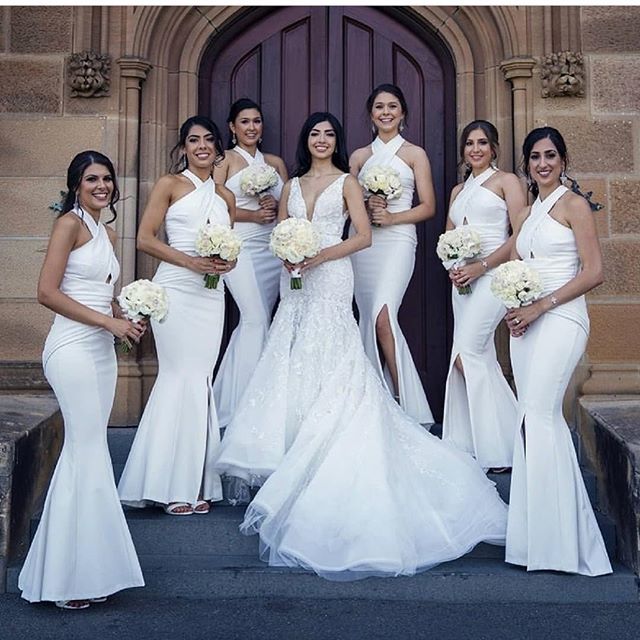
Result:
[[551, 521], [82, 548], [479, 406], [382, 273], [254, 287], [351, 486], [170, 459]]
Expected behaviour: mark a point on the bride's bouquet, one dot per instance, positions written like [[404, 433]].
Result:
[[516, 284], [456, 246], [257, 179], [217, 240], [141, 300], [382, 181], [293, 240]]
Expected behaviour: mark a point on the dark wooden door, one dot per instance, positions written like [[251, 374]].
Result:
[[297, 60]]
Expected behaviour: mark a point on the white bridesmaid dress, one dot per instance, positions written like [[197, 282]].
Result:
[[351, 486], [254, 287], [170, 459], [382, 273], [82, 548], [551, 522], [479, 406]]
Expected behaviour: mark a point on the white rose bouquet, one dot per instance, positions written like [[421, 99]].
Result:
[[217, 240], [141, 300], [293, 240], [456, 246], [382, 181], [516, 284], [257, 179]]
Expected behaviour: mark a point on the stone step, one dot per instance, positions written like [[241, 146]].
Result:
[[463, 580], [120, 440]]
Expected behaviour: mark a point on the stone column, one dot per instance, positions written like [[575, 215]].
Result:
[[519, 71], [127, 407]]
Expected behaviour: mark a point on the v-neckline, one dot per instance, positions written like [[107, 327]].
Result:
[[315, 203]]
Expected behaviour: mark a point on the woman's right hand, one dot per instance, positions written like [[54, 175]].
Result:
[[125, 329], [376, 203]]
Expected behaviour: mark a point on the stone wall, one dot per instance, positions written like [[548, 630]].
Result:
[[40, 130], [495, 50]]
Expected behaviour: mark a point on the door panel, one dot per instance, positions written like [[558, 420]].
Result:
[[297, 60]]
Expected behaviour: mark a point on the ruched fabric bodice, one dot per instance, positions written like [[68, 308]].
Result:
[[550, 248], [182, 222], [482, 209], [89, 276], [243, 201], [384, 154]]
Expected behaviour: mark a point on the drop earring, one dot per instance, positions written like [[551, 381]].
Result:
[[233, 139], [563, 176], [401, 126]]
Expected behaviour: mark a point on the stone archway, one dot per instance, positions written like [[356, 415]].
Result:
[[159, 89]]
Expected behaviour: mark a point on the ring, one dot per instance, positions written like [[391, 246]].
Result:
[[516, 321]]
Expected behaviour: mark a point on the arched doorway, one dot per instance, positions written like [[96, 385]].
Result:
[[297, 60]]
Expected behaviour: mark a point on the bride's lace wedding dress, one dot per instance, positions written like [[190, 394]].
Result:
[[351, 486]]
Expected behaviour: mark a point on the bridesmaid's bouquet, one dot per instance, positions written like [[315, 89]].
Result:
[[456, 246], [217, 240], [257, 179], [293, 240], [382, 181], [141, 300], [516, 284]]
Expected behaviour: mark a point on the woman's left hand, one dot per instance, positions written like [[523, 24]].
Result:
[[268, 202], [223, 266], [381, 217], [316, 261], [465, 275], [518, 320]]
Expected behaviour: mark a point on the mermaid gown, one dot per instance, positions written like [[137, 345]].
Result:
[[170, 459], [82, 548], [551, 523], [479, 406], [351, 485], [382, 273], [254, 287]]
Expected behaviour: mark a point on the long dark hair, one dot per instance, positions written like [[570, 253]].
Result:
[[240, 105], [492, 136], [76, 170], [395, 91], [339, 158], [534, 136], [178, 159]]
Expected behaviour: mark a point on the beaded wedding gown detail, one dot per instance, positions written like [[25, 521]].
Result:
[[351, 486]]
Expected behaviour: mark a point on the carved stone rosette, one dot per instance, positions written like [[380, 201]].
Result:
[[89, 74], [562, 75]]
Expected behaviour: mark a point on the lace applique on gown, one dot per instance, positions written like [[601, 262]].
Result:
[[351, 486]]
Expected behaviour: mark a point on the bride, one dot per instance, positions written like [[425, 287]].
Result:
[[350, 485]]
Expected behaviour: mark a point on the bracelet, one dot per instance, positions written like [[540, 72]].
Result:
[[554, 301], [485, 264]]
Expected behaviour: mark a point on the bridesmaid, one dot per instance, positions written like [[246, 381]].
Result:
[[255, 280], [551, 523], [383, 271], [169, 460], [479, 406], [82, 550]]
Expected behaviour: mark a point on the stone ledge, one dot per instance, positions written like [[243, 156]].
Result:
[[31, 435], [610, 434], [20, 377]]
